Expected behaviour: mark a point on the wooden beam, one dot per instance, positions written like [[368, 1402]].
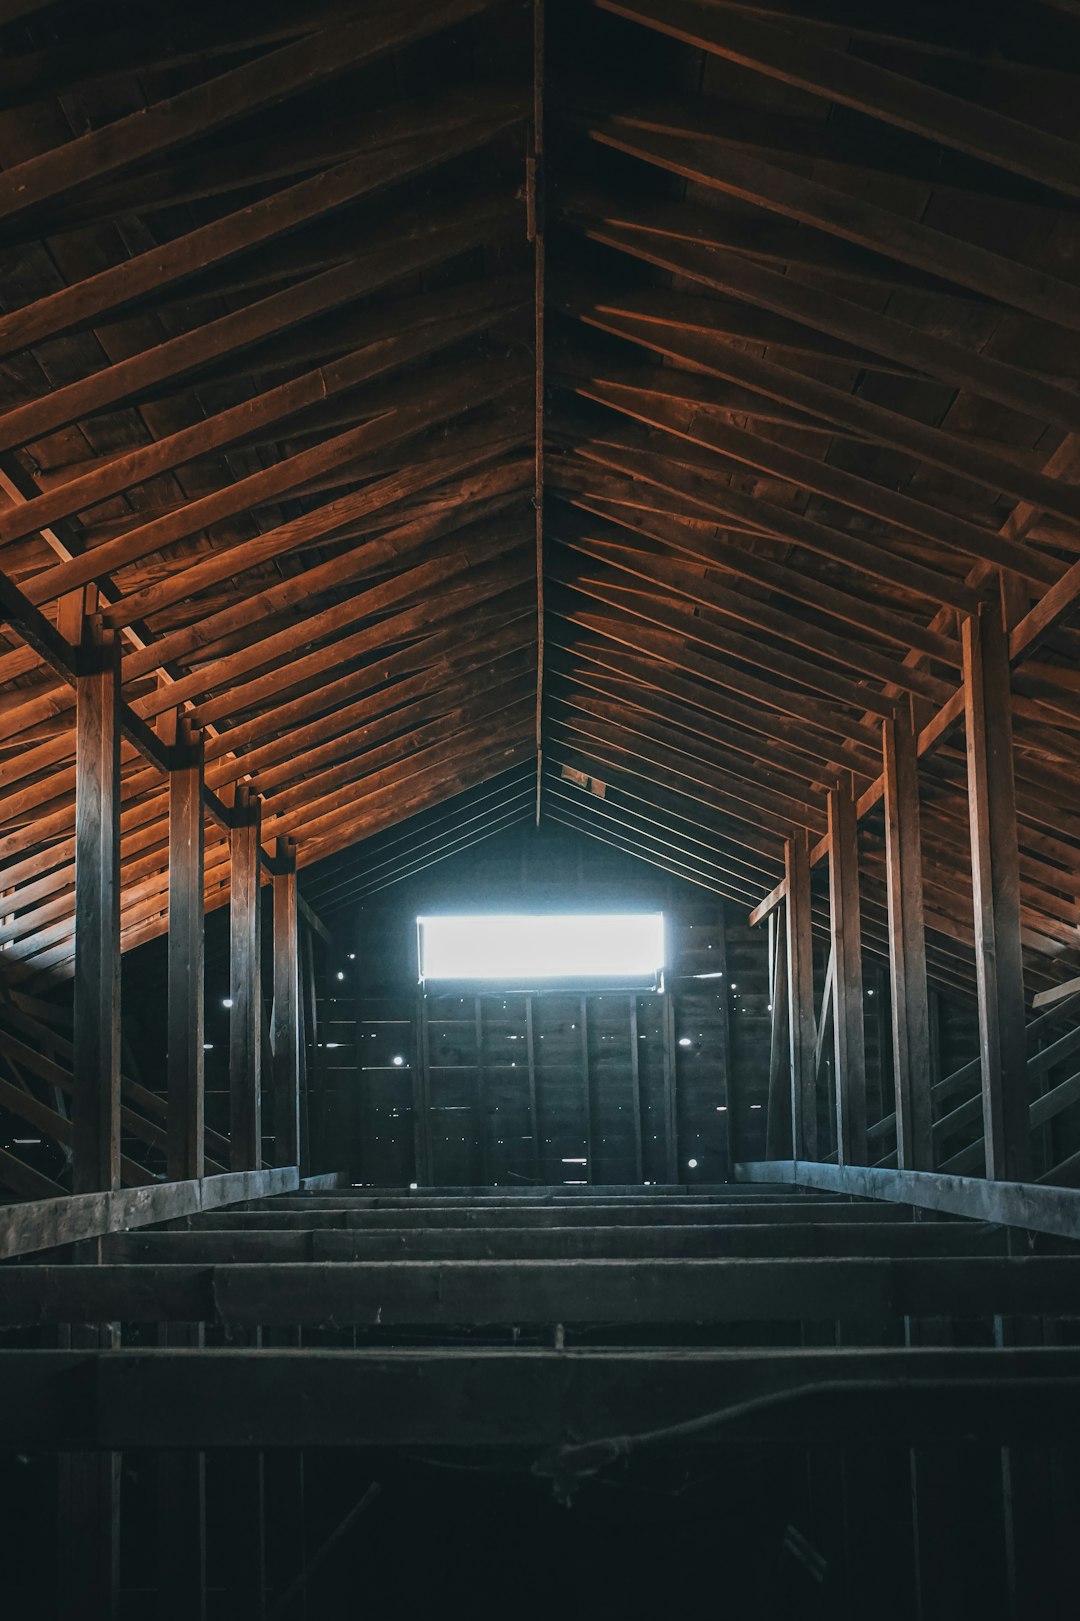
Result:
[[847, 412], [800, 981], [256, 225], [95, 1110], [838, 76], [995, 879], [907, 946], [845, 921], [671, 1102], [245, 985], [508, 1398], [867, 1289], [42, 1224], [586, 1088], [836, 654], [1057, 994], [423, 1143], [301, 65], [286, 1011], [327, 455], [692, 530], [778, 1105], [736, 447], [687, 251], [186, 953], [1032, 1206], [851, 219]]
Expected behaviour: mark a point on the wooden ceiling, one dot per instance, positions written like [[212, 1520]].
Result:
[[736, 346]]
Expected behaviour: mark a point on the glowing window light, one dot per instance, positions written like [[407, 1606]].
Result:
[[609, 946]]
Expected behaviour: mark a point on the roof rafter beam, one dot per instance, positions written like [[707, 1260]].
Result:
[[893, 98], [200, 111]]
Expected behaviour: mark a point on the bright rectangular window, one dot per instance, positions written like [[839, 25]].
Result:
[[531, 948]]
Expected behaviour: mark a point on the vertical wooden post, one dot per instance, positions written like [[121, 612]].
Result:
[[312, 1136], [530, 1055], [907, 947], [95, 1109], [286, 1015], [800, 982], [586, 1089], [671, 1103], [635, 1089], [778, 1107], [995, 881], [845, 923], [245, 985], [481, 1114], [88, 1484], [423, 1152], [186, 927], [724, 1090], [303, 1139], [181, 1497]]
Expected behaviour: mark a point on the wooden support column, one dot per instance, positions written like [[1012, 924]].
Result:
[[995, 882], [88, 1494], [421, 1094], [635, 1089], [530, 1056], [313, 1137], [586, 1089], [671, 1106], [95, 1112], [845, 924], [481, 1114], [800, 980], [245, 985], [778, 1111], [725, 1091], [286, 1015], [907, 947], [186, 930]]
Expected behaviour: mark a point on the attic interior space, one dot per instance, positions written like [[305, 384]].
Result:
[[531, 460]]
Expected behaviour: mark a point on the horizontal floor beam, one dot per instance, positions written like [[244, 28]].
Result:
[[428, 1294], [672, 1215], [533, 1399], [1041, 1209], [208, 1248], [42, 1224]]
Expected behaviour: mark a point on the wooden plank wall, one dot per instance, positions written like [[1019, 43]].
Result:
[[454, 1076]]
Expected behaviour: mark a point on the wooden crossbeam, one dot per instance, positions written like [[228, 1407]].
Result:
[[240, 92], [867, 225], [879, 92], [687, 252]]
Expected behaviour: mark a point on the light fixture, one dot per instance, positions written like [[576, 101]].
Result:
[[535, 946], [226, 1001]]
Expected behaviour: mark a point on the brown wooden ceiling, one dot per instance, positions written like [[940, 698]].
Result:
[[806, 278]]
